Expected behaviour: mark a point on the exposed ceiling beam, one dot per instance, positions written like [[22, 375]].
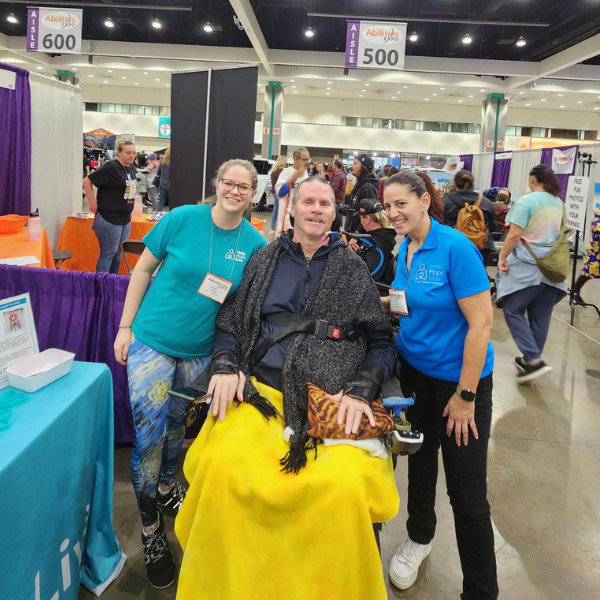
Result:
[[245, 14], [62, 3], [567, 58]]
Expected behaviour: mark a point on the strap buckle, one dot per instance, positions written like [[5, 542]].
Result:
[[321, 329]]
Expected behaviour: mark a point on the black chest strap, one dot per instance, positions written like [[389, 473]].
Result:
[[292, 323]]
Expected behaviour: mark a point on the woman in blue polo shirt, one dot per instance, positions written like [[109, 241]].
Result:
[[166, 337], [443, 298]]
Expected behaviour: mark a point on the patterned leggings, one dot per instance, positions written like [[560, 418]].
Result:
[[159, 419]]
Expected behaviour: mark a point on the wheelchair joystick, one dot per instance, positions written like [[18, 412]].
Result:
[[402, 440]]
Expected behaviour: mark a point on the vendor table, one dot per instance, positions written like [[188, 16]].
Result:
[[13, 245], [56, 477], [78, 237]]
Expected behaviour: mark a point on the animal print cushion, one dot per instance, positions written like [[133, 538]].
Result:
[[323, 413]]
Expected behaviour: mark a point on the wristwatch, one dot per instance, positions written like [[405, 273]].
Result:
[[466, 395]]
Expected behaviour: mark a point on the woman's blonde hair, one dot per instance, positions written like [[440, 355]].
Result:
[[122, 143], [167, 157], [382, 219], [280, 163]]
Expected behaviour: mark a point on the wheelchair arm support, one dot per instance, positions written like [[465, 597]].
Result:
[[365, 383], [226, 362]]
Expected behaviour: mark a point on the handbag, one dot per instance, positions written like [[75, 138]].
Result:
[[323, 413], [555, 265]]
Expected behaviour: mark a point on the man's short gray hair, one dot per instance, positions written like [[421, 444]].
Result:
[[313, 179], [298, 152]]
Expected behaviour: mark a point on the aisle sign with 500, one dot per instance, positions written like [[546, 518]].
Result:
[[375, 45], [54, 30]]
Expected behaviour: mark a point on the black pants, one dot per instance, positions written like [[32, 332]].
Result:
[[466, 478]]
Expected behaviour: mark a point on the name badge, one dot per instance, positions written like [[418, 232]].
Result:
[[398, 302], [215, 288]]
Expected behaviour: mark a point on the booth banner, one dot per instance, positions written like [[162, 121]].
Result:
[[100, 139], [375, 45], [54, 30], [563, 161], [8, 79], [164, 127], [576, 202]]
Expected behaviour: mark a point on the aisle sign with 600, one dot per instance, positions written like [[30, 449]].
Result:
[[375, 45], [54, 30]]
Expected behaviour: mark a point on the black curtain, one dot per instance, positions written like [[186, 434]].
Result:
[[230, 127]]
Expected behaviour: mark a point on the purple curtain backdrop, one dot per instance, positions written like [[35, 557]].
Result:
[[78, 312], [15, 145], [501, 170], [562, 179], [467, 159]]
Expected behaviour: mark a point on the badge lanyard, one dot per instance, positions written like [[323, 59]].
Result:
[[130, 188], [213, 287]]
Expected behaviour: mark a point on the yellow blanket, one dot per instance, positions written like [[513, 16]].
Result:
[[251, 532]]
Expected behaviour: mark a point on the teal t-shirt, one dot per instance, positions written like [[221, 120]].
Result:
[[540, 215], [173, 317]]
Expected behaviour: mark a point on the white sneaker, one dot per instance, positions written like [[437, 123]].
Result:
[[404, 566]]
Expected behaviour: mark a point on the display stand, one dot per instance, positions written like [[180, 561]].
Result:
[[585, 160]]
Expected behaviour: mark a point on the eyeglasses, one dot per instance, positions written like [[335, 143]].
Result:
[[243, 188], [307, 160]]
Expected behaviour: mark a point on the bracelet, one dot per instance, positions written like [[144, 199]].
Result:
[[124, 326]]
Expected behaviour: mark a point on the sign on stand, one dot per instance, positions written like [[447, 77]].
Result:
[[576, 202], [375, 45], [54, 30]]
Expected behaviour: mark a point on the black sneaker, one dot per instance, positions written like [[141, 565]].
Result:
[[160, 568], [173, 499], [531, 372], [520, 364]]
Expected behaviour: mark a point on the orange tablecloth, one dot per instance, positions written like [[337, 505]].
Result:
[[78, 237], [13, 245]]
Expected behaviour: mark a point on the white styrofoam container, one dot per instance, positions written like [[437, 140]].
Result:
[[50, 364]]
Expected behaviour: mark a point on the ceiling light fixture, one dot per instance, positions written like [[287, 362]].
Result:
[[39, 67], [413, 37], [467, 39], [136, 83], [109, 23], [109, 70], [579, 101], [208, 27], [328, 83], [105, 81], [367, 84], [393, 97], [12, 19], [528, 104], [156, 23], [521, 42], [562, 105], [309, 32]]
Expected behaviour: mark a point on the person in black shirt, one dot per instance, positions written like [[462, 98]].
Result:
[[117, 187]]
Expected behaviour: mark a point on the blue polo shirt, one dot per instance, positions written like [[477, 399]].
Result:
[[445, 269]]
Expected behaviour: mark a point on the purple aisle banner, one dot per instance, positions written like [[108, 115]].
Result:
[[33, 28], [352, 37]]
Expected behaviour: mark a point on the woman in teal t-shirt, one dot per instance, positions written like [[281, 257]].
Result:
[[166, 337]]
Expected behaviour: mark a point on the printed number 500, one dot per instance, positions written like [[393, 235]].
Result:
[[381, 57]]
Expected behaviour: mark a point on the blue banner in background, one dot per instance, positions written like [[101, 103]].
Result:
[[164, 127]]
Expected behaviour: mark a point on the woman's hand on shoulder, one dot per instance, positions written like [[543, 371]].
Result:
[[352, 409], [461, 416], [121, 345], [224, 389]]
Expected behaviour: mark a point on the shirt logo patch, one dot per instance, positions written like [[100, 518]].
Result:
[[239, 256], [430, 275]]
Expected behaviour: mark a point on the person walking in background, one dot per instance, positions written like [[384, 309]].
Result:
[[116, 182], [164, 174], [166, 338], [464, 193], [275, 173], [521, 287], [289, 179], [338, 182], [366, 187], [591, 260]]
